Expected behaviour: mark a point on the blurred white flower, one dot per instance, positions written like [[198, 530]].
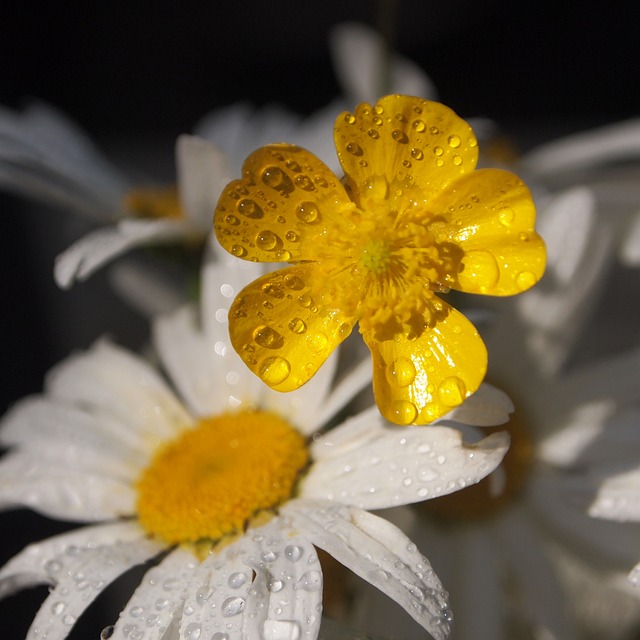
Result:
[[523, 558], [233, 483]]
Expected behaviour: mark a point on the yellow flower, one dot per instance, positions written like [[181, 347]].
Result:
[[410, 218]]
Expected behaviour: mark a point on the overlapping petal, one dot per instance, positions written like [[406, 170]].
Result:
[[280, 210], [283, 330], [488, 218], [403, 150], [418, 379]]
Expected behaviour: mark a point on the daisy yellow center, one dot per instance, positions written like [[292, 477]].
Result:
[[214, 478], [161, 202], [496, 491]]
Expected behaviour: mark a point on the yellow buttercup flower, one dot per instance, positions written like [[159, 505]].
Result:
[[411, 218]]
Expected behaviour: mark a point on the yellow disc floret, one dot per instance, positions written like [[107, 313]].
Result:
[[214, 478]]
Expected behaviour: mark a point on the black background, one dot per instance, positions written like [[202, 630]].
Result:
[[150, 69]]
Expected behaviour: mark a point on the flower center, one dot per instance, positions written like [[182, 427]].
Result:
[[160, 202], [496, 491], [211, 480], [375, 256]]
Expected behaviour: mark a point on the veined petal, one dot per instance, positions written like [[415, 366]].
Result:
[[93, 570], [403, 150], [159, 597], [280, 210], [380, 553], [97, 248], [487, 218], [403, 466], [42, 562], [282, 330], [418, 380]]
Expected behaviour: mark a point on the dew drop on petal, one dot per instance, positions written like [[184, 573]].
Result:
[[268, 338], [232, 606], [401, 372], [219, 636], [354, 149], [267, 240], [236, 580], [238, 251], [404, 412], [297, 325], [525, 280], [317, 341], [274, 584], [400, 136], [308, 213], [192, 631], [417, 154], [293, 552], [438, 151], [454, 141], [452, 391], [274, 370], [506, 216], [373, 134], [349, 118], [419, 126], [249, 208], [479, 271], [107, 632], [310, 581], [457, 160]]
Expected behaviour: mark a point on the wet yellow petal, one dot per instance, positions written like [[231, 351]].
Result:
[[284, 327], [418, 380], [280, 209], [403, 150], [487, 220]]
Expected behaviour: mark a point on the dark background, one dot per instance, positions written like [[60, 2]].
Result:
[[148, 70]]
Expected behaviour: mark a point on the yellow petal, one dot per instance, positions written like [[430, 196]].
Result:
[[280, 209], [283, 329], [403, 150], [418, 380], [486, 219]]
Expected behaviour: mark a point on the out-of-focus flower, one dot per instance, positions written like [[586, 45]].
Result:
[[413, 218], [519, 552], [231, 486]]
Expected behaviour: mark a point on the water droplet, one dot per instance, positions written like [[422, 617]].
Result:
[[269, 556], [452, 391], [438, 151], [192, 631], [232, 606], [417, 154], [297, 325], [293, 165], [317, 341], [282, 255], [304, 182], [293, 552], [422, 492], [400, 136], [273, 290], [52, 567], [434, 130], [373, 134], [401, 372], [377, 121], [454, 141], [249, 208], [232, 220], [310, 581], [136, 612], [161, 604], [237, 579], [280, 630], [267, 240], [404, 412], [274, 370], [292, 236], [378, 109], [525, 280], [268, 338], [506, 216], [439, 162], [419, 126], [457, 160], [479, 272], [274, 585], [203, 594], [308, 212], [377, 187], [152, 620], [69, 620], [349, 118], [57, 608], [238, 251], [277, 179], [407, 482], [407, 164], [107, 632], [218, 635], [305, 300]]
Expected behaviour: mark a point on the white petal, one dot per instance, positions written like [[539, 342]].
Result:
[[634, 576], [159, 598], [630, 250], [267, 585], [358, 54], [592, 148], [52, 489], [42, 562], [203, 171], [529, 561], [97, 248], [85, 578], [487, 407], [112, 382], [618, 498], [379, 553], [401, 466]]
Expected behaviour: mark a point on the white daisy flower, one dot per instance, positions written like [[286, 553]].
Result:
[[230, 484], [519, 553]]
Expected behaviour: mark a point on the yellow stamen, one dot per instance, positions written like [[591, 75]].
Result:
[[160, 202], [214, 478], [480, 501]]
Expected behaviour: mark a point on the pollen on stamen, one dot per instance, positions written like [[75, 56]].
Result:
[[215, 477]]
